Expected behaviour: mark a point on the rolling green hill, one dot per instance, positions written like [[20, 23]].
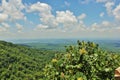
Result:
[[21, 63]]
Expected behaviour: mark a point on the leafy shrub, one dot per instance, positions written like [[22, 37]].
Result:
[[85, 61]]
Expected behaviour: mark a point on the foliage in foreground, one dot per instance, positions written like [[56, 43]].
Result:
[[85, 61]]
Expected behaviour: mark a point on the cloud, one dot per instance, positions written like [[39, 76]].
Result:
[[45, 14], [13, 8], [67, 3], [102, 1], [41, 27], [118, 28], [3, 17], [104, 26], [62, 18], [109, 7], [2, 29], [84, 1], [116, 12], [49, 20], [39, 7], [97, 1], [82, 16], [106, 23], [102, 14], [110, 4], [5, 25], [65, 17], [19, 27]]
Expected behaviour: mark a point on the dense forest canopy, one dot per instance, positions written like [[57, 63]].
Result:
[[21, 63], [84, 61]]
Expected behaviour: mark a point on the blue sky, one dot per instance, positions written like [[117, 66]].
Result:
[[59, 19]]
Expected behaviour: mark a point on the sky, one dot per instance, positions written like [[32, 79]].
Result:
[[31, 19]]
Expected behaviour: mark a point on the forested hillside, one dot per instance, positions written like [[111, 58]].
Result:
[[84, 61], [21, 63]]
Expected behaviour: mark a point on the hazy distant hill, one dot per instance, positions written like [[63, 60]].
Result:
[[58, 44]]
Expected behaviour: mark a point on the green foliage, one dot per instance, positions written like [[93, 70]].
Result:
[[85, 61], [22, 63]]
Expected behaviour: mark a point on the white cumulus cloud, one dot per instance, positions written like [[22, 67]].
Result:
[[45, 14], [82, 16], [40, 7], [116, 12], [3, 17], [109, 7], [65, 17], [13, 8]]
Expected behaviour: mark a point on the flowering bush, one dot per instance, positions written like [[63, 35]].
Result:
[[85, 61]]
